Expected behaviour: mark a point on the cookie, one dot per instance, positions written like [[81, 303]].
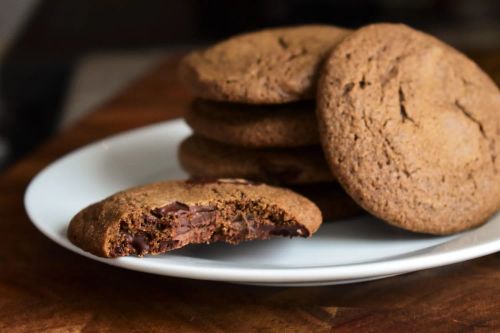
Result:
[[271, 66], [331, 199], [202, 157], [161, 217], [288, 125], [411, 128]]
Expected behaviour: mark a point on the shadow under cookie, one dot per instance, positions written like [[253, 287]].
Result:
[[334, 203]]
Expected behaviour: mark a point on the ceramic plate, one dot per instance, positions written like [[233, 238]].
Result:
[[347, 251]]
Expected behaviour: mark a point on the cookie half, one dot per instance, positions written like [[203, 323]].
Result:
[[270, 66], [202, 157], [161, 217], [410, 128], [255, 126]]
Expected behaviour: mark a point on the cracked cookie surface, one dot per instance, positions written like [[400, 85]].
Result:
[[411, 129], [265, 67], [160, 217]]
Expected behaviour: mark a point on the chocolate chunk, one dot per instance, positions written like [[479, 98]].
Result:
[[203, 218], [140, 243], [202, 208], [183, 225], [170, 208], [187, 223]]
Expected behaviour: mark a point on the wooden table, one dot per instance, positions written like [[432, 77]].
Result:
[[46, 288]]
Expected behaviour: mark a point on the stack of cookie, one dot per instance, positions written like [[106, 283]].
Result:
[[254, 115], [409, 127]]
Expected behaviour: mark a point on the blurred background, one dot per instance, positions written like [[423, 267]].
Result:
[[60, 59]]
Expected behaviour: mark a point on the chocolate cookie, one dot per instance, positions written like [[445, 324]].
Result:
[[331, 200], [411, 129], [265, 67], [161, 217], [289, 125], [202, 157]]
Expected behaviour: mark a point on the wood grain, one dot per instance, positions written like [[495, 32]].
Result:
[[45, 288]]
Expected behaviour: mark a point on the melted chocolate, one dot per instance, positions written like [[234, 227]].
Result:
[[173, 207], [182, 224], [140, 243]]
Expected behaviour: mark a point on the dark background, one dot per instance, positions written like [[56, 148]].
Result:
[[37, 67]]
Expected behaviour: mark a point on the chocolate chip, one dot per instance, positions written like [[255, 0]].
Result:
[[202, 218], [186, 223], [155, 212], [170, 208], [140, 243], [183, 225]]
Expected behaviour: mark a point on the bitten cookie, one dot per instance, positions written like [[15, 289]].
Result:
[[411, 129], [202, 157], [164, 216], [265, 67], [252, 126]]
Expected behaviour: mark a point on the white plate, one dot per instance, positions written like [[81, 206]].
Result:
[[342, 252]]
